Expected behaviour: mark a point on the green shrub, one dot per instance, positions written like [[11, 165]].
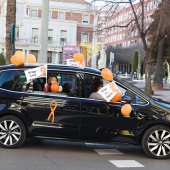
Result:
[[2, 58], [136, 62]]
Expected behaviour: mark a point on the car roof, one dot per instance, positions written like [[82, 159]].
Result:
[[53, 66]]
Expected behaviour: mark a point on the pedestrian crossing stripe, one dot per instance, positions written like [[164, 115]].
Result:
[[107, 151], [126, 163]]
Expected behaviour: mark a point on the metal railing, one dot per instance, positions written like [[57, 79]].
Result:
[[36, 42]]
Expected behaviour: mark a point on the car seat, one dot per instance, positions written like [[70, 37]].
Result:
[[32, 86]]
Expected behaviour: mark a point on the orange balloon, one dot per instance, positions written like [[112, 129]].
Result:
[[107, 74], [126, 109], [78, 57], [31, 58], [20, 54], [117, 97], [17, 60], [54, 87]]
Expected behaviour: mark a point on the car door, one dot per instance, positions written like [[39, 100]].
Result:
[[104, 121], [66, 115], [101, 120]]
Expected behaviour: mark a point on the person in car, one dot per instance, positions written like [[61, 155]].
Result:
[[67, 87], [51, 80], [96, 86]]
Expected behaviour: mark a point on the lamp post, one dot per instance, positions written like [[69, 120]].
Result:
[[56, 57], [44, 32]]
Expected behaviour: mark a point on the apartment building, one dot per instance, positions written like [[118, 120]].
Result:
[[70, 23], [126, 36]]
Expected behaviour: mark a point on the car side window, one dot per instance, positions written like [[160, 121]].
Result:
[[135, 99], [89, 79], [12, 80], [139, 100], [65, 80]]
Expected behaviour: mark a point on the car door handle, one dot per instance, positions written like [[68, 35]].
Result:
[[89, 109], [71, 107]]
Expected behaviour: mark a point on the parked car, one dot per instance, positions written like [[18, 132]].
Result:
[[25, 108]]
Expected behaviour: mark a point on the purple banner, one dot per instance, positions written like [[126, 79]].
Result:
[[68, 52]]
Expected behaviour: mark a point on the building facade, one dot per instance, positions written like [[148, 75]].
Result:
[[126, 35], [118, 29], [70, 23]]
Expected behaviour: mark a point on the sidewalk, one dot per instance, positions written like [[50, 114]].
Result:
[[162, 94]]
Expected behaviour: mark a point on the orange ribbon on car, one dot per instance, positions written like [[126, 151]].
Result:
[[53, 102]]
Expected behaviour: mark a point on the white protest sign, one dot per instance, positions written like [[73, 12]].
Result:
[[109, 91], [34, 73], [71, 62]]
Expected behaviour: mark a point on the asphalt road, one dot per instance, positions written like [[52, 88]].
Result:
[[62, 155]]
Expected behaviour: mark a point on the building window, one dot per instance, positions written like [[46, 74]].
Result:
[[50, 36], [35, 53], [49, 57], [35, 35], [61, 16], [84, 37], [50, 14], [33, 13], [63, 37], [86, 19], [102, 39], [17, 34]]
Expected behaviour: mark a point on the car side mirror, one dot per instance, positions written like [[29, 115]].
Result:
[[126, 99]]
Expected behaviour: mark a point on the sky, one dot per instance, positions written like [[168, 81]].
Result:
[[101, 3], [96, 3]]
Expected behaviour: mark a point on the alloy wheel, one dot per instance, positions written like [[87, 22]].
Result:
[[159, 142], [10, 132]]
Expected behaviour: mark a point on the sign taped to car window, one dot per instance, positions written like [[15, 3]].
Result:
[[109, 91], [37, 72]]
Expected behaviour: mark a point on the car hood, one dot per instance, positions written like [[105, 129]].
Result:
[[162, 103]]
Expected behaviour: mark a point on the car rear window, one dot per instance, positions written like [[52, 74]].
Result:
[[12, 80]]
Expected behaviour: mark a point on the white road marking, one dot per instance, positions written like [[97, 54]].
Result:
[[126, 163], [107, 151]]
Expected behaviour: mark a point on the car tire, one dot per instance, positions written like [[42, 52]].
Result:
[[156, 142], [12, 132]]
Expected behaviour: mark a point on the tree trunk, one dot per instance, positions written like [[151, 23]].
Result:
[[10, 18], [158, 78], [148, 87]]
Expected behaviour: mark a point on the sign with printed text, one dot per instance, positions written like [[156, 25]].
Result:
[[71, 62], [34, 73], [68, 52], [109, 91]]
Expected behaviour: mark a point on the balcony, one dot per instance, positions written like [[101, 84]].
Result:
[[34, 43]]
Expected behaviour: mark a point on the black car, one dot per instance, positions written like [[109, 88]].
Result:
[[25, 109]]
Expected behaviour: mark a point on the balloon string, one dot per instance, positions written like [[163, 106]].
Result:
[[52, 110], [113, 89], [81, 63]]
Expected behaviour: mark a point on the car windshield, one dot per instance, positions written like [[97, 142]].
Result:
[[133, 87]]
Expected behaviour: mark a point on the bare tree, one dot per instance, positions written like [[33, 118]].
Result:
[[139, 12], [160, 27], [10, 18]]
